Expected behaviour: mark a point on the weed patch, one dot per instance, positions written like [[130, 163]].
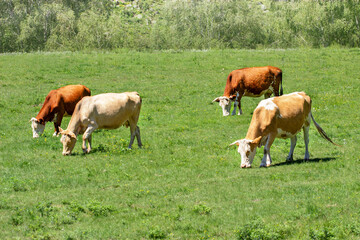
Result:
[[257, 229]]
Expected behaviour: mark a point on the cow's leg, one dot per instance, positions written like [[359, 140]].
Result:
[[235, 106], [266, 160], [89, 143], [236, 103], [306, 140], [87, 136], [133, 126], [137, 134], [239, 103], [292, 147], [57, 123], [267, 95]]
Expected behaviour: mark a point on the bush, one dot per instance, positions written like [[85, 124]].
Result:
[[257, 230], [177, 24]]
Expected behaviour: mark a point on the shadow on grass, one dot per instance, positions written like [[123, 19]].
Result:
[[300, 161]]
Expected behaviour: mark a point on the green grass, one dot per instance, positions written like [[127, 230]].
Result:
[[186, 183]]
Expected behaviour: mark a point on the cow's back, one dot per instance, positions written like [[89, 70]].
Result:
[[288, 113], [252, 81], [109, 110], [70, 95], [73, 93], [294, 110]]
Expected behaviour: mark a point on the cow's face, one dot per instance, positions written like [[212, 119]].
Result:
[[247, 150], [37, 127], [68, 139], [225, 104]]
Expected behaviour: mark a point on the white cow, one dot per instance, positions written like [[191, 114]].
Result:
[[278, 117], [103, 111]]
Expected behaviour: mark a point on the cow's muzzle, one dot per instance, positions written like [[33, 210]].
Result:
[[245, 166], [66, 153]]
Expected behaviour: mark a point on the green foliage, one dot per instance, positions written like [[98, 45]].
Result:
[[37, 27], [149, 24], [157, 233], [258, 230], [97, 209], [202, 209], [322, 234]]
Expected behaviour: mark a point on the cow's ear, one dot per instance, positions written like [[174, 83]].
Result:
[[216, 99], [71, 134], [232, 98], [61, 130], [237, 143], [256, 142]]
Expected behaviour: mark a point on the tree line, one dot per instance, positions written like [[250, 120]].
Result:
[[71, 25]]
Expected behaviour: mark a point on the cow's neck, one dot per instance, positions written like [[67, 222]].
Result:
[[45, 114], [74, 124], [228, 91], [255, 131]]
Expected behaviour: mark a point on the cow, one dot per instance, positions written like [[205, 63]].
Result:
[[278, 117], [103, 111], [251, 82], [57, 103]]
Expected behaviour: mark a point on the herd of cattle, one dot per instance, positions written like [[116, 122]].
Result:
[[282, 116]]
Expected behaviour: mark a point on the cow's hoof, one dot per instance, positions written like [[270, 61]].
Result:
[[245, 166], [289, 159], [86, 151], [56, 134], [265, 165]]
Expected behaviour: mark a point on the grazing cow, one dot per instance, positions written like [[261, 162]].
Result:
[[278, 117], [251, 82], [103, 111], [56, 104]]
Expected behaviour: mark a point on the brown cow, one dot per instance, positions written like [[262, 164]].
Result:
[[251, 82], [278, 117], [56, 104]]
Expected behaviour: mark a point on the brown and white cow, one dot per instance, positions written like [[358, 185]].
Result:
[[56, 104], [251, 82], [278, 117], [103, 111]]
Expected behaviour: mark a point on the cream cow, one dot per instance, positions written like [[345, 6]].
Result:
[[103, 111], [278, 117]]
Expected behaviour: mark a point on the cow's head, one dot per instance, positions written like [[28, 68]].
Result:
[[37, 127], [68, 139], [225, 104], [247, 150]]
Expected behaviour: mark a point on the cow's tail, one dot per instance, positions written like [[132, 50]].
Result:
[[322, 132], [281, 87]]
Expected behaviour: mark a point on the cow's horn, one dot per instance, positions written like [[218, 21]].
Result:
[[235, 143]]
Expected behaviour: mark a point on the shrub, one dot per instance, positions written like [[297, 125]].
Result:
[[97, 209], [202, 209], [322, 234], [257, 230]]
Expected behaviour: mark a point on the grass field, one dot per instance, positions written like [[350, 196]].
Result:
[[186, 183]]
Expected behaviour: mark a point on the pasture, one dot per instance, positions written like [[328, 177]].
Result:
[[186, 182]]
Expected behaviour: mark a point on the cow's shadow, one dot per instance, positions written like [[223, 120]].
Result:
[[301, 161]]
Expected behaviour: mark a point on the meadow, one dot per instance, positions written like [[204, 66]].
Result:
[[186, 182]]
